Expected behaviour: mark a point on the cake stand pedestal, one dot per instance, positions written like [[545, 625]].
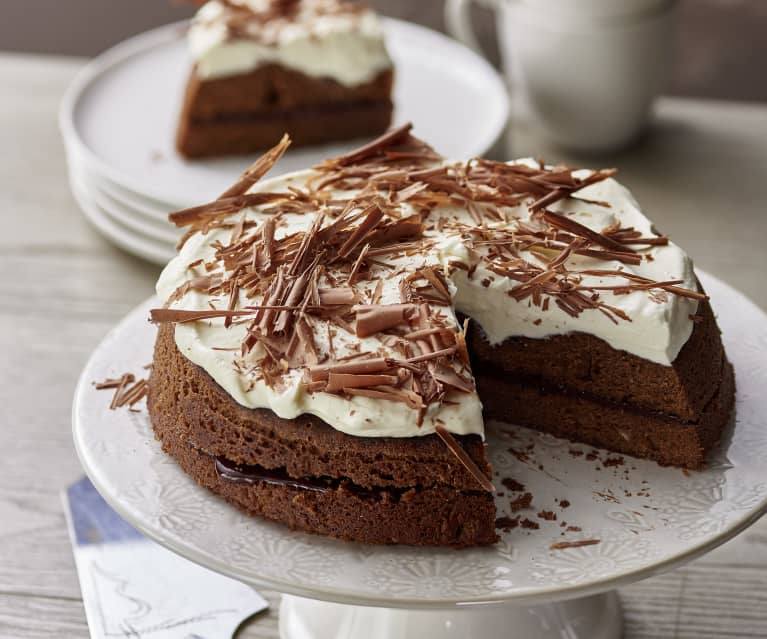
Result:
[[594, 617], [597, 521]]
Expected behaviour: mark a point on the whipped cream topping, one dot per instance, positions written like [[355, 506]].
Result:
[[320, 38], [217, 349], [659, 324], [652, 323]]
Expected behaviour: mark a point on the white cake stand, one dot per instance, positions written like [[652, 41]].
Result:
[[641, 519]]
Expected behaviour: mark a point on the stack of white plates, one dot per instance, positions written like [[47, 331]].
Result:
[[118, 120]]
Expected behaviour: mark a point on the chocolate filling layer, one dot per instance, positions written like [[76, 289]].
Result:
[[255, 475], [238, 474], [548, 387], [296, 112]]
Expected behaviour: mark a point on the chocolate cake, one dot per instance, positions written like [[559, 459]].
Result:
[[317, 69], [314, 359]]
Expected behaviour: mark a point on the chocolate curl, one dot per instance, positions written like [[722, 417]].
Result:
[[358, 367], [258, 169], [457, 450], [113, 382], [180, 316], [234, 293], [132, 395], [357, 264], [343, 295], [564, 191], [373, 216], [410, 398], [426, 332], [634, 259], [403, 195], [374, 319], [307, 242], [390, 138], [433, 355], [306, 340], [267, 239], [447, 376], [296, 293], [436, 280], [276, 291], [648, 283], [222, 207], [126, 379], [576, 228], [340, 381]]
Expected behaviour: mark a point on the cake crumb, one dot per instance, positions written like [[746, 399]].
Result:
[[512, 484], [507, 523], [548, 515], [607, 496], [522, 457], [523, 501], [530, 525], [564, 503]]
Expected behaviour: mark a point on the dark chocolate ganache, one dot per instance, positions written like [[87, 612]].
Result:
[[242, 474]]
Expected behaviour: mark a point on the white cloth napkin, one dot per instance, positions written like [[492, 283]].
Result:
[[133, 587]]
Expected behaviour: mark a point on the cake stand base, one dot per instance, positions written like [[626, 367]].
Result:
[[595, 617]]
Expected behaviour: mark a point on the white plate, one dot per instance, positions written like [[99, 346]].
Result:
[[149, 207], [155, 229], [153, 209], [121, 235], [669, 517], [121, 111]]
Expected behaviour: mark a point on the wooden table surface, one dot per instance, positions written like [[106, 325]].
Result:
[[701, 174]]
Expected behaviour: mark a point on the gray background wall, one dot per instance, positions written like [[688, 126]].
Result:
[[721, 48]]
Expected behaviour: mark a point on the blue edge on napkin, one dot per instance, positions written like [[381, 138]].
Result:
[[133, 587]]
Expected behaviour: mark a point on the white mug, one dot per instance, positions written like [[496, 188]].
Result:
[[587, 70]]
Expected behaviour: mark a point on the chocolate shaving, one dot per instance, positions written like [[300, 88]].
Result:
[[562, 545], [337, 296], [258, 169], [374, 319], [180, 316], [373, 215], [565, 191], [340, 381], [222, 207], [576, 228], [449, 377], [358, 367], [413, 400], [462, 456], [433, 355], [126, 379], [125, 394], [390, 138]]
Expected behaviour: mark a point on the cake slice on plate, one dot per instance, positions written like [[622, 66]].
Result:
[[317, 69], [316, 346]]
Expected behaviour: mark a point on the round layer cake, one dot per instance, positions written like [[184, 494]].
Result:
[[331, 338]]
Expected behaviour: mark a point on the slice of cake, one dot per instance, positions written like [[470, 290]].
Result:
[[315, 353], [317, 69]]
